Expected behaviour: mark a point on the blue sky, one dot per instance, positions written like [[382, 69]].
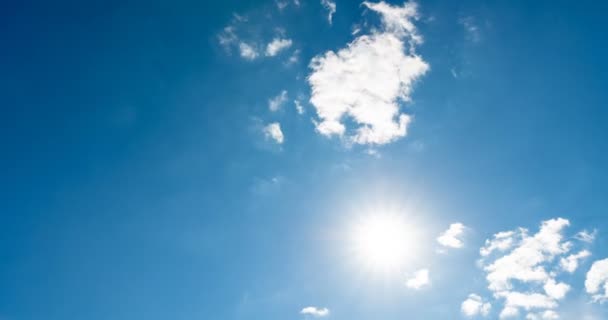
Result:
[[303, 160]]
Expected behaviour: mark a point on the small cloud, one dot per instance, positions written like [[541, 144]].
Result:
[[275, 103], [277, 45], [273, 131], [418, 280], [281, 4], [247, 51], [330, 6], [586, 236], [299, 106], [315, 312], [596, 282], [474, 305], [471, 29], [570, 263], [294, 58], [451, 237]]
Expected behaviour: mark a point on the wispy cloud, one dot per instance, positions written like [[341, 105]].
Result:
[[330, 6], [247, 51], [275, 103]]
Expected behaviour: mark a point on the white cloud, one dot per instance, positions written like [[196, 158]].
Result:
[[570, 263], [273, 131], [586, 236], [281, 4], [419, 279], [398, 20], [596, 283], [330, 6], [247, 51], [277, 45], [315, 312], [275, 103], [299, 106], [522, 269], [474, 306], [451, 237], [367, 80]]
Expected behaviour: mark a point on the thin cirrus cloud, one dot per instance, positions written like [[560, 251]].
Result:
[[367, 80], [330, 6], [273, 131], [418, 280], [315, 312], [533, 262], [275, 103], [451, 238]]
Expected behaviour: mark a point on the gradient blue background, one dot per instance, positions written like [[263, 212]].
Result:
[[134, 186]]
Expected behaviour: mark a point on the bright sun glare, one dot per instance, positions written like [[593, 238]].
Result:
[[382, 243]]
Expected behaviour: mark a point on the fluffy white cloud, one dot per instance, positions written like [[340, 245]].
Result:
[[596, 283], [570, 263], [451, 237], [277, 45], [273, 131], [522, 269], [474, 306], [368, 79], [277, 102], [330, 6], [315, 312], [418, 280]]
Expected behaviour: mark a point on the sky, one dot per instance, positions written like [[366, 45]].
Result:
[[303, 159]]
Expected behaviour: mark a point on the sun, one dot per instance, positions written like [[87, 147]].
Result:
[[382, 242]]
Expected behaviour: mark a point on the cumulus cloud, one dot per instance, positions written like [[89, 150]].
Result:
[[367, 80], [570, 263], [522, 269], [273, 131], [451, 237], [474, 305], [277, 45], [596, 283], [315, 312], [418, 280], [247, 51], [330, 6], [275, 103]]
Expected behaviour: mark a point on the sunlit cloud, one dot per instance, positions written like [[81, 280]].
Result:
[[523, 270], [451, 238], [315, 312], [366, 80], [275, 103], [474, 305], [418, 280]]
